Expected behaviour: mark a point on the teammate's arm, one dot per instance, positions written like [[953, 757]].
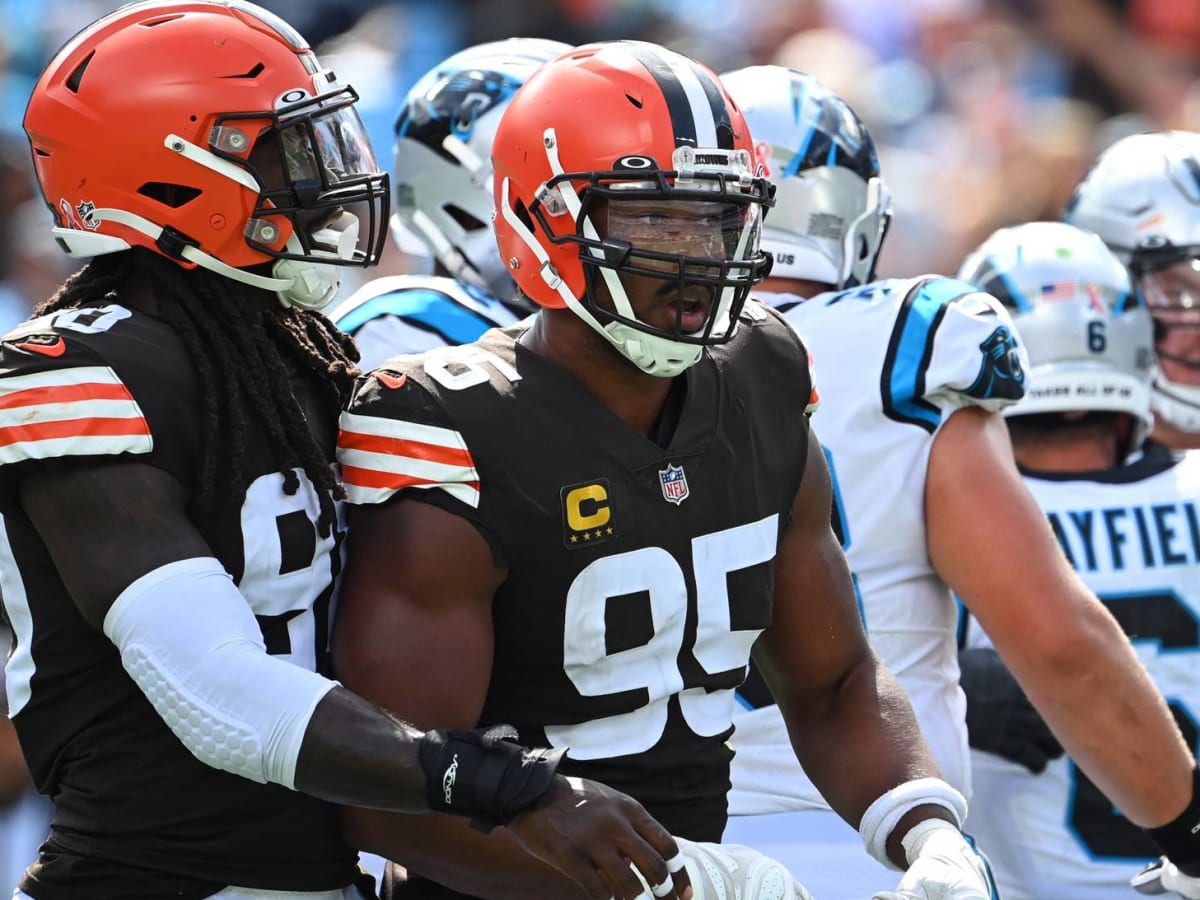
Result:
[[139, 571], [850, 723], [992, 545], [414, 634]]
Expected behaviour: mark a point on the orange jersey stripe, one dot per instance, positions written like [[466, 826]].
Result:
[[72, 428], [373, 443], [66, 393], [371, 478]]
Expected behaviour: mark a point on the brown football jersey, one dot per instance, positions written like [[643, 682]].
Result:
[[639, 575], [136, 814]]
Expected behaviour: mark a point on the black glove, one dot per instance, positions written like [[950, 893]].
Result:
[[1000, 718]]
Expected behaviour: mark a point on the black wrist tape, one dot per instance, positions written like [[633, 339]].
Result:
[[484, 774], [1179, 839]]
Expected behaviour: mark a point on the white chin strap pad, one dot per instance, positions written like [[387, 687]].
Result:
[[191, 644], [314, 284]]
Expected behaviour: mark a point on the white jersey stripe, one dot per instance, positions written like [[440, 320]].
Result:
[[77, 445], [20, 667], [362, 496], [405, 431], [58, 378]]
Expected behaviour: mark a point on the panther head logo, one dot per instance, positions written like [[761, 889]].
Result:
[[1000, 371]]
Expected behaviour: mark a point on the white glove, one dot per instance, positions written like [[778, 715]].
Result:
[[941, 866], [734, 872], [1162, 876]]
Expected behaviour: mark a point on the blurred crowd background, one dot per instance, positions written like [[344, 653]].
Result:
[[986, 113]]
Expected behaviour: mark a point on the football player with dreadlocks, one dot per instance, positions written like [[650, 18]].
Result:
[[443, 199], [1121, 511], [602, 583], [170, 516], [928, 501]]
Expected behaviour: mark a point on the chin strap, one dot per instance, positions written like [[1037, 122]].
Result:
[[305, 283]]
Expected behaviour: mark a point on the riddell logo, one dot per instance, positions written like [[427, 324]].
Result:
[[449, 778]]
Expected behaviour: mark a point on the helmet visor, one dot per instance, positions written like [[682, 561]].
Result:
[[1173, 297], [662, 230], [317, 169]]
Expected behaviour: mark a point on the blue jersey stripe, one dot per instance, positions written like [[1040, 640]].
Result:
[[425, 308], [903, 379]]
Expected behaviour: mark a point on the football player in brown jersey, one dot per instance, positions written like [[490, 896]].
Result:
[[584, 526]]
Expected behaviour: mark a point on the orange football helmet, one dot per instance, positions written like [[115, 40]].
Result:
[[207, 131], [624, 132]]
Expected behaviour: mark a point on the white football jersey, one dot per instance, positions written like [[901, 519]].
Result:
[[414, 313], [893, 360], [1133, 534]]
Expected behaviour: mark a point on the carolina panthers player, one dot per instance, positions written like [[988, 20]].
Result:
[[443, 195], [603, 582], [1129, 522], [928, 500], [1142, 197]]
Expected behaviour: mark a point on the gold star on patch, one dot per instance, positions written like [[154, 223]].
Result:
[[586, 536], [574, 539]]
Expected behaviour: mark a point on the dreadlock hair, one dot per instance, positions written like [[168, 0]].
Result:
[[240, 348]]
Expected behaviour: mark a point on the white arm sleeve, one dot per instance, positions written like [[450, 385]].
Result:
[[190, 642]]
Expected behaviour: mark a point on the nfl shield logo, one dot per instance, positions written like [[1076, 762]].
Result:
[[674, 484]]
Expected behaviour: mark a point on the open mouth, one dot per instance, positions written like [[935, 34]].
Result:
[[688, 310]]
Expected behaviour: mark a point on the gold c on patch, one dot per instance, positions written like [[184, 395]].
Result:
[[587, 514]]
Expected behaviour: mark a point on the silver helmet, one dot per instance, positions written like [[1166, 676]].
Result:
[[1142, 197], [1089, 336], [832, 208], [443, 170]]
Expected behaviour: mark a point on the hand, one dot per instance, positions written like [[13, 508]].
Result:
[[1000, 718], [941, 866], [602, 839], [728, 871], [1162, 876]]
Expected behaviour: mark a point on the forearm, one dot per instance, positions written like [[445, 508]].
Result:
[[354, 753], [860, 740], [449, 851], [1129, 745]]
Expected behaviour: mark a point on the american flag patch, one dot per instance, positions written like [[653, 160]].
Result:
[[83, 411], [1060, 291], [381, 456]]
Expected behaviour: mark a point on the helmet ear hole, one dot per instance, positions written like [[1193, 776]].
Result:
[[523, 214], [172, 195], [465, 220]]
